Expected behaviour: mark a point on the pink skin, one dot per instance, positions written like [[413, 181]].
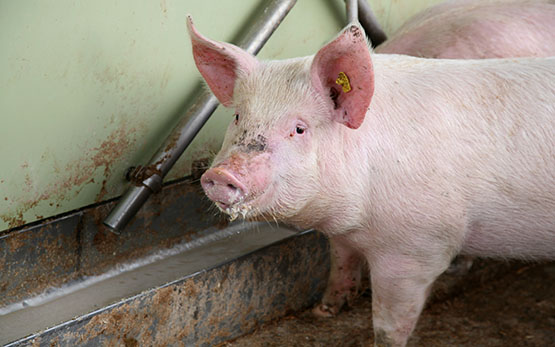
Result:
[[233, 180], [344, 280], [225, 188], [219, 67], [477, 29], [449, 157], [457, 30], [326, 63]]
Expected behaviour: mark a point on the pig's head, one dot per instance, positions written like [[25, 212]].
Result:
[[286, 112]]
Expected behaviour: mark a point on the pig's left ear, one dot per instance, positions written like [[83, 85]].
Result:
[[219, 63], [342, 73]]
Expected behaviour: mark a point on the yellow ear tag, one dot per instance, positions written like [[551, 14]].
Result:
[[343, 81]]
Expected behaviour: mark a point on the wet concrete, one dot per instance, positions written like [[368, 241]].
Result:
[[495, 304]]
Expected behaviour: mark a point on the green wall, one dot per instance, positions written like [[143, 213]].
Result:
[[89, 88]]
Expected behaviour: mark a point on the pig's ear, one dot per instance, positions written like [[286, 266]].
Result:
[[342, 73], [219, 63]]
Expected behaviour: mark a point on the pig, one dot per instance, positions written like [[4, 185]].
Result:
[[478, 29], [402, 161], [456, 29]]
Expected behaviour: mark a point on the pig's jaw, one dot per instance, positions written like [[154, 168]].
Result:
[[264, 208], [248, 207], [235, 211]]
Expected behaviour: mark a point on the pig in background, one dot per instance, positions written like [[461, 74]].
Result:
[[477, 29], [401, 161]]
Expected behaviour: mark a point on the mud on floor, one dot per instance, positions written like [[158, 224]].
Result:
[[494, 304]]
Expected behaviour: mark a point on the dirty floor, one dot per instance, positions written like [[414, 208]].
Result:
[[494, 304]]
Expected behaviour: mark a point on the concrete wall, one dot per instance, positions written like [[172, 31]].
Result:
[[89, 88]]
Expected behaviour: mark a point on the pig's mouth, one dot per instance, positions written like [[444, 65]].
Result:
[[222, 205], [235, 211], [247, 208]]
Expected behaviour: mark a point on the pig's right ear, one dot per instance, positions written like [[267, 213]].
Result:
[[342, 73], [219, 63]]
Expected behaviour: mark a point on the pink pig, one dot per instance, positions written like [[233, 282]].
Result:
[[478, 29], [402, 161], [461, 29]]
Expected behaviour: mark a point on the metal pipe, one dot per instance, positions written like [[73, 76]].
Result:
[[148, 179], [370, 24], [352, 11]]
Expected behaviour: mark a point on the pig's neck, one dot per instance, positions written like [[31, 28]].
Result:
[[342, 164], [352, 162], [343, 172]]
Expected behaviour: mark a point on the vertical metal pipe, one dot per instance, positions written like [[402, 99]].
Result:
[[352, 11], [370, 24], [149, 178]]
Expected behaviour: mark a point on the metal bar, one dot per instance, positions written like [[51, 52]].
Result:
[[352, 11], [370, 24], [149, 179]]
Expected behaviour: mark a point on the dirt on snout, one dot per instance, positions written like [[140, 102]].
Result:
[[494, 304]]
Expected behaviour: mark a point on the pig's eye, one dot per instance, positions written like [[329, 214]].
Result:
[[300, 129], [236, 118]]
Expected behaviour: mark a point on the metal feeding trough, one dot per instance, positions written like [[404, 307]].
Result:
[[214, 284]]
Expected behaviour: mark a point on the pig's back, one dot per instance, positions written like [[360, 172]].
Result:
[[468, 145], [477, 29]]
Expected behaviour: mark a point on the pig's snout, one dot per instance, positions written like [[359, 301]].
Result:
[[222, 187]]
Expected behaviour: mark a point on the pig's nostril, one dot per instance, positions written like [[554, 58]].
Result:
[[222, 187]]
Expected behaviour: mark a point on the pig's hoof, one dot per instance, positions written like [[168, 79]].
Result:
[[324, 311], [460, 266]]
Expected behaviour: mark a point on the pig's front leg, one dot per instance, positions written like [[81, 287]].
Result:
[[344, 279], [399, 291]]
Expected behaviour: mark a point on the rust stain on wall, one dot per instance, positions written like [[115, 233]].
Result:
[[75, 176], [14, 220], [109, 152]]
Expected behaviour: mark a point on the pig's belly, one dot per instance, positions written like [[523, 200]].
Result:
[[509, 235]]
